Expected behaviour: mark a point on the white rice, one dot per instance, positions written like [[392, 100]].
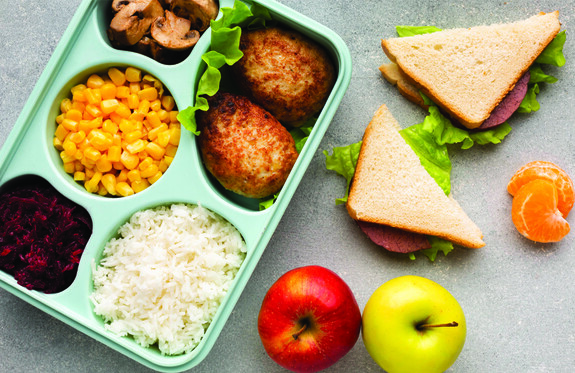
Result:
[[163, 279]]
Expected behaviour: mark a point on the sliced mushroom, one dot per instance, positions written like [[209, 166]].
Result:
[[200, 12], [133, 20], [174, 32], [149, 47]]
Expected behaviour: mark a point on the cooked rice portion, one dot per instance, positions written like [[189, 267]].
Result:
[[162, 280]]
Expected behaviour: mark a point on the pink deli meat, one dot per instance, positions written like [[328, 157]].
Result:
[[509, 104], [394, 239]]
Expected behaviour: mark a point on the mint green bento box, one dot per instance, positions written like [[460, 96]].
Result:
[[85, 49]]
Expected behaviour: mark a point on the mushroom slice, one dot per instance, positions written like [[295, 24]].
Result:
[[133, 20], [174, 32], [200, 12]]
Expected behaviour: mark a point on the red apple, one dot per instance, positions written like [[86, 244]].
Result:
[[309, 319]]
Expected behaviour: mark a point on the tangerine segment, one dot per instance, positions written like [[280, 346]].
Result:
[[534, 212], [548, 171]]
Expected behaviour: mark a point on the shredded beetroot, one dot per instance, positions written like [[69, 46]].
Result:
[[42, 236]]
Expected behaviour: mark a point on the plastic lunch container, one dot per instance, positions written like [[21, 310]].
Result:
[[85, 49]]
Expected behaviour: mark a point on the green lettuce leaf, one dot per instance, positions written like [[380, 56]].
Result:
[[301, 134], [437, 245], [433, 157], [343, 161], [553, 53], [225, 49], [530, 102], [415, 30], [538, 76]]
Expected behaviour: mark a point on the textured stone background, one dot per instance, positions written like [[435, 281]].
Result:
[[518, 296]]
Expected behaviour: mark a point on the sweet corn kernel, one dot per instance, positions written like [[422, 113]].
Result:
[[108, 91], [140, 185], [168, 103], [89, 173], [74, 114], [124, 189], [92, 154], [92, 96], [133, 74], [109, 126], [102, 190], [109, 106], [79, 166], [171, 150], [103, 164], [57, 144], [86, 115], [114, 153], [145, 163], [163, 165], [163, 138], [78, 88], [122, 92], [95, 81], [122, 176], [79, 176], [168, 160], [153, 119], [149, 94], [153, 133], [126, 125], [69, 148], [134, 87], [94, 111], [156, 105], [99, 140], [164, 116], [130, 161], [78, 96], [80, 106], [123, 111], [133, 101], [175, 134], [118, 77], [136, 146], [60, 118], [109, 182], [149, 171], [155, 178], [174, 116], [134, 175], [77, 137], [144, 106], [61, 132], [65, 105], [134, 136], [69, 167]]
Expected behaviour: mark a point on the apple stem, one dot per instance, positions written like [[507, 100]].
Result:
[[298, 333], [423, 326]]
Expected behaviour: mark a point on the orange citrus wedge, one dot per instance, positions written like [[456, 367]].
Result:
[[550, 172], [535, 214]]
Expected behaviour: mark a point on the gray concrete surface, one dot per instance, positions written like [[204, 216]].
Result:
[[518, 296]]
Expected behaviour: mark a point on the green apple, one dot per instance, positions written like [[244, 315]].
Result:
[[412, 324]]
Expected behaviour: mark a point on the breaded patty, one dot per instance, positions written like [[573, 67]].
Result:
[[285, 72], [246, 149]]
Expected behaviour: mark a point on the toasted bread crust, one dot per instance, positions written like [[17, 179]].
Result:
[[465, 113]]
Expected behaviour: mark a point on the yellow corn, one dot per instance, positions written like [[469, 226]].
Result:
[[122, 92], [78, 96], [122, 176], [155, 178], [139, 185], [156, 105], [124, 189], [136, 146], [92, 154], [102, 190], [93, 96], [79, 176], [109, 126], [57, 144], [133, 74], [163, 138], [133, 101], [130, 161], [171, 150], [109, 182], [134, 175], [114, 153], [144, 106], [74, 114], [94, 111], [95, 81], [134, 87], [78, 88], [109, 106], [123, 111], [174, 116], [164, 116], [175, 133], [108, 91], [117, 76], [127, 126], [153, 133], [154, 119], [149, 171], [61, 132], [69, 147], [149, 93], [103, 164], [65, 105], [69, 167], [168, 103], [60, 118]]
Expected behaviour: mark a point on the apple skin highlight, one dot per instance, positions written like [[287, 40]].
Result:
[[309, 319], [393, 331]]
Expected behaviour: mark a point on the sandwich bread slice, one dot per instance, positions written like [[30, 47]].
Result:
[[391, 187], [467, 72]]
